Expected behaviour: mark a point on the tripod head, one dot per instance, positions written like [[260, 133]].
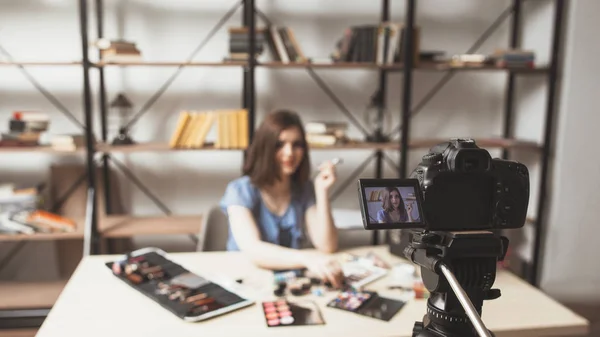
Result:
[[472, 257]]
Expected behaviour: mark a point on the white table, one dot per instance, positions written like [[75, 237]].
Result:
[[94, 303]]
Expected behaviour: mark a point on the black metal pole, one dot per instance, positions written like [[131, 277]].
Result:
[[509, 104], [249, 85], [548, 131], [94, 247], [103, 112], [408, 59], [381, 96]]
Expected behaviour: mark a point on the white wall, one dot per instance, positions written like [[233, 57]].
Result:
[[470, 105], [571, 269]]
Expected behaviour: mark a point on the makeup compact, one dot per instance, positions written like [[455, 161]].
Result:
[[366, 303], [282, 312], [187, 295]]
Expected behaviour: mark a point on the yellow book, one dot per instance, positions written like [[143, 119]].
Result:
[[184, 118], [243, 128], [233, 129], [226, 130], [209, 120], [188, 131], [221, 142], [198, 121]]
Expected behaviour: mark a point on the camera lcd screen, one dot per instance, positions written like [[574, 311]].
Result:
[[391, 203]]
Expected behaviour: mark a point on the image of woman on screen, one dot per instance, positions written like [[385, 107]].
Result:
[[393, 207]]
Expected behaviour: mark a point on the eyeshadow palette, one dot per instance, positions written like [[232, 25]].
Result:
[[185, 294], [285, 313], [367, 303]]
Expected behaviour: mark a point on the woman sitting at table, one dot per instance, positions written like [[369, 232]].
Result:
[[270, 206]]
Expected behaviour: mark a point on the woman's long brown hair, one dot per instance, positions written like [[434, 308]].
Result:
[[261, 165]]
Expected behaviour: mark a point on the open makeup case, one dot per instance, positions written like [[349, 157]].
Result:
[[187, 295]]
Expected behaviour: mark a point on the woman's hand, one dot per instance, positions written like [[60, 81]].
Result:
[[409, 208], [326, 177], [324, 267]]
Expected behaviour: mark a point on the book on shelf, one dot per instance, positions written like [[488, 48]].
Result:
[[25, 128], [501, 58], [375, 195], [280, 40], [119, 51], [324, 133], [21, 213], [193, 128], [239, 43], [382, 44], [67, 142], [513, 58], [30, 221]]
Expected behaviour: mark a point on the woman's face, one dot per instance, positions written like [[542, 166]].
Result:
[[395, 199], [290, 150]]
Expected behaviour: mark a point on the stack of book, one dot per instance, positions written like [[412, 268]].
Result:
[[239, 43], [322, 133], [25, 128], [67, 142], [514, 58], [380, 44], [19, 212], [193, 127], [281, 42], [120, 51]]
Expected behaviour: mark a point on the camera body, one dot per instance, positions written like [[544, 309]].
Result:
[[456, 187]]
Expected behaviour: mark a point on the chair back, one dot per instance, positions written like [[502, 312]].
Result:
[[214, 231]]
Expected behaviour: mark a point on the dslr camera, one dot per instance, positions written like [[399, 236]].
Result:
[[456, 187], [453, 202]]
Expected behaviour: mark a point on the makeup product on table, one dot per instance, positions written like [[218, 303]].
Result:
[[287, 313], [367, 303], [300, 286], [360, 272], [189, 296]]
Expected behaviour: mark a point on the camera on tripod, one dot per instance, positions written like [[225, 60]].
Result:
[[448, 212]]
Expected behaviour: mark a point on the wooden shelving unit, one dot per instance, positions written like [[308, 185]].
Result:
[[29, 295], [505, 141], [168, 64], [39, 149], [44, 64], [123, 226], [490, 143], [18, 333], [75, 235], [155, 147], [423, 66]]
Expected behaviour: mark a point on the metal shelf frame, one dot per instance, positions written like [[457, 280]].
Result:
[[407, 111]]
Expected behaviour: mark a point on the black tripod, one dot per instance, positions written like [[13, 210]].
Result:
[[467, 261]]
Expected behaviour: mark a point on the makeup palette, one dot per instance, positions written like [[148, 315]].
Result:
[[185, 294], [285, 313], [366, 303]]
